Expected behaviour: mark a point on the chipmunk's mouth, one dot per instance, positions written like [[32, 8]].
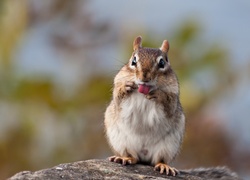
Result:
[[143, 88]]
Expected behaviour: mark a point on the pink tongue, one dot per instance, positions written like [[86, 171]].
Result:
[[144, 89]]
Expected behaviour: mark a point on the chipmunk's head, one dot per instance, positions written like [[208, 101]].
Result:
[[148, 64]]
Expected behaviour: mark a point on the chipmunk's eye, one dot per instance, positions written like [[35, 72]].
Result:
[[161, 63], [133, 62]]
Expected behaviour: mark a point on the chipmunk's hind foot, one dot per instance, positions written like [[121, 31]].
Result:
[[170, 171], [123, 160]]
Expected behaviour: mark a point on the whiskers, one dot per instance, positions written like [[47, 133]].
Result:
[[122, 71], [117, 66], [121, 62], [126, 78]]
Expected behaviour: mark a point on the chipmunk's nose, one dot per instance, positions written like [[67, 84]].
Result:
[[146, 80], [146, 77]]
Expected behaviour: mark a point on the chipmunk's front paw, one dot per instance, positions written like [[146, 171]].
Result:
[[130, 86], [152, 95], [123, 160], [170, 171]]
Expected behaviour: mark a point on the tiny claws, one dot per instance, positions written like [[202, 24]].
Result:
[[118, 160], [128, 89], [170, 171], [130, 86], [162, 169], [152, 95], [123, 160], [174, 171], [130, 83], [167, 170], [115, 159], [112, 158], [126, 161]]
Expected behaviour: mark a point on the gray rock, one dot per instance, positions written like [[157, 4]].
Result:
[[103, 169]]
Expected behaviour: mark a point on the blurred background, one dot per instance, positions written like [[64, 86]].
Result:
[[57, 63]]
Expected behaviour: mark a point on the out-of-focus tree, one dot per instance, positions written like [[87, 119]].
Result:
[[11, 11], [9, 35], [40, 126]]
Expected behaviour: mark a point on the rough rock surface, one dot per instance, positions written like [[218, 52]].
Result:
[[102, 169]]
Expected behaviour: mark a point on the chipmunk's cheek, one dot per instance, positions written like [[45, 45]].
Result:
[[144, 89]]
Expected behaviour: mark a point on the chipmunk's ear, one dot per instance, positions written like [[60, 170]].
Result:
[[137, 43], [165, 46]]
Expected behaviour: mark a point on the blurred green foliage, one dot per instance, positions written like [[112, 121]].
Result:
[[43, 127]]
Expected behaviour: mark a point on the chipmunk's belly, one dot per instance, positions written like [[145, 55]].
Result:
[[143, 130]]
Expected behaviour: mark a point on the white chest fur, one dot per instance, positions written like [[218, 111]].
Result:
[[143, 130]]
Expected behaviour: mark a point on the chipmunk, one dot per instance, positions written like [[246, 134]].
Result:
[[144, 122]]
